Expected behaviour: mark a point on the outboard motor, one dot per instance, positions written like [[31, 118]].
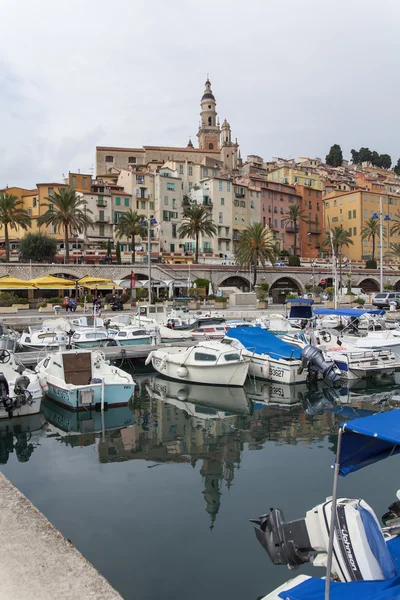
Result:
[[21, 393], [314, 360], [5, 395], [359, 548]]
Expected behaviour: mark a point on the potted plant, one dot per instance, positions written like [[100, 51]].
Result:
[[220, 302], [194, 303], [262, 295]]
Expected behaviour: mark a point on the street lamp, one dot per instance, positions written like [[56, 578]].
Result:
[[150, 223], [301, 242], [379, 216]]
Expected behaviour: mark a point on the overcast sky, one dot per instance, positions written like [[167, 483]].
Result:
[[292, 77]]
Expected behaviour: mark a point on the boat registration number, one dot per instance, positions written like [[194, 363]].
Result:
[[277, 391], [276, 372], [157, 362]]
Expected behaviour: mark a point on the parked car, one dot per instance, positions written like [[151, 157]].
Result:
[[280, 264], [384, 299]]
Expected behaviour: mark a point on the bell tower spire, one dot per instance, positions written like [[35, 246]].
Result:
[[209, 130]]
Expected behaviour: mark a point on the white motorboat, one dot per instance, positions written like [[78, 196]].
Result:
[[20, 391], [342, 535], [210, 363], [130, 336], [8, 338], [39, 338], [274, 359], [80, 379], [90, 337]]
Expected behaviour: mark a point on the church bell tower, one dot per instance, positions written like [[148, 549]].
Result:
[[209, 131]]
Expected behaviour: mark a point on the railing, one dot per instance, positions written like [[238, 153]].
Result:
[[101, 202], [292, 229], [102, 220], [239, 195], [144, 196], [314, 229]]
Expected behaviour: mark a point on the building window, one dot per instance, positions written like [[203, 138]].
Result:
[[354, 230], [165, 200], [51, 207], [50, 191], [269, 194], [34, 202], [84, 183], [327, 205], [282, 210], [317, 205], [109, 159], [151, 205], [210, 146], [165, 215], [214, 172], [126, 201], [220, 217], [171, 187], [205, 172], [29, 211], [101, 230], [190, 170], [309, 192], [180, 169], [222, 201], [190, 186], [354, 214], [282, 224], [142, 204], [275, 223], [243, 220], [228, 186], [173, 230], [118, 201], [251, 203], [132, 160], [349, 214], [74, 181], [116, 217], [220, 184], [275, 209], [236, 218], [174, 203]]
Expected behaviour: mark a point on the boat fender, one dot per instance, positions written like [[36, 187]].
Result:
[[148, 359], [182, 371]]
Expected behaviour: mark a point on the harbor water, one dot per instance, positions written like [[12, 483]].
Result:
[[158, 495]]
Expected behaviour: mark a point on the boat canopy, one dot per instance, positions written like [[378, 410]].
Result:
[[347, 312], [368, 440], [299, 308], [264, 342]]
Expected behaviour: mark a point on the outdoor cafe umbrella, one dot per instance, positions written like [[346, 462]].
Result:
[[13, 283], [49, 282], [89, 282]]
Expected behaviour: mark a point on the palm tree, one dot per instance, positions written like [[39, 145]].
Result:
[[293, 217], [395, 228], [256, 245], [197, 220], [394, 251], [130, 225], [66, 211], [12, 214], [340, 237], [370, 230]]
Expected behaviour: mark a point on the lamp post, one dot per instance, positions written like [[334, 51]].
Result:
[[379, 216], [150, 223], [301, 242]]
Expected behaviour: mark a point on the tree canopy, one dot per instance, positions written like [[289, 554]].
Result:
[[197, 220], [38, 247], [256, 245], [12, 214], [130, 225], [382, 161], [335, 156]]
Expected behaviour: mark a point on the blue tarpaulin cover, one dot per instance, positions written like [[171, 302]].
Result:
[[368, 440], [264, 342], [347, 312]]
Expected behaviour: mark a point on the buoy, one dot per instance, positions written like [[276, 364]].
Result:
[[182, 395]]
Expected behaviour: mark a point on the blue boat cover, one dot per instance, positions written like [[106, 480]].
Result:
[[347, 312], [314, 589], [263, 342], [368, 440]]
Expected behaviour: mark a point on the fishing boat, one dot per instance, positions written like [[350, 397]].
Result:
[[274, 359], [79, 379], [39, 338], [211, 363], [343, 535], [209, 332]]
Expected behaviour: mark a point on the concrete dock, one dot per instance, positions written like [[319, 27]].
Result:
[[37, 561]]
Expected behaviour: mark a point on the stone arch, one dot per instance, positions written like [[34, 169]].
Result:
[[369, 284], [211, 146], [66, 275], [285, 285], [236, 281]]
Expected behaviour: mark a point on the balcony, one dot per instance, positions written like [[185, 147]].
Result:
[[207, 203], [314, 229], [143, 195], [101, 202], [239, 195], [292, 229], [100, 219]]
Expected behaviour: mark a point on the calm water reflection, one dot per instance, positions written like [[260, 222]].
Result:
[[158, 495]]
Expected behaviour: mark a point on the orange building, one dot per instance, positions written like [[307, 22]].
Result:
[[311, 233], [80, 182]]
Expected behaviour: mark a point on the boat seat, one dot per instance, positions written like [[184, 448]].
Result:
[[377, 543]]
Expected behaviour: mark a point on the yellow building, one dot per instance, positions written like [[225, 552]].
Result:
[[44, 191], [350, 210], [294, 174]]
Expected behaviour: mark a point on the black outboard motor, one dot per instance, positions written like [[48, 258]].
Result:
[[286, 543], [314, 360], [21, 393], [5, 395]]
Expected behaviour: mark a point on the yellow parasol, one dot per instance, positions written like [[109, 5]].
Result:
[[13, 283], [49, 282], [103, 286], [88, 281]]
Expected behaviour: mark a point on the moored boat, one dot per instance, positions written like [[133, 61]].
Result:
[[210, 363], [80, 379]]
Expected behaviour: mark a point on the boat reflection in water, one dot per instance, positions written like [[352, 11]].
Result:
[[66, 422], [271, 393], [20, 435]]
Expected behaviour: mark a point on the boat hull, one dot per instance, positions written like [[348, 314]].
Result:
[[24, 410], [279, 371], [228, 375], [114, 395], [91, 344], [133, 341]]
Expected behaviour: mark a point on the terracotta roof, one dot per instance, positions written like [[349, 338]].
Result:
[[167, 148], [118, 148], [56, 184]]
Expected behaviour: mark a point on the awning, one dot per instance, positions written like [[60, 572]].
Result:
[[88, 281], [347, 312], [49, 282], [13, 283], [368, 440]]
